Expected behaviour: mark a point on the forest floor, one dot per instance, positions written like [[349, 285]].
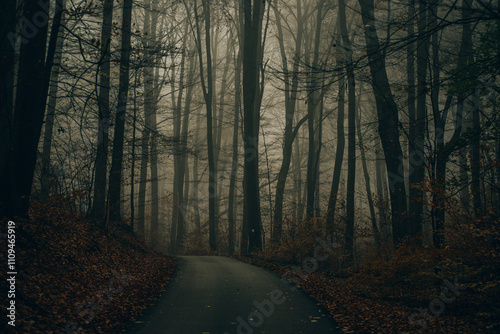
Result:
[[75, 277], [358, 311]]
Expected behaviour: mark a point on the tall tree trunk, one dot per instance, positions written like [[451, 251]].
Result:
[[218, 130], [410, 73], [51, 114], [383, 209], [35, 66], [311, 152], [444, 151], [146, 132], [178, 187], [319, 145], [187, 186], [339, 156], [244, 224], [221, 103], [132, 168], [101, 160], [439, 127], [416, 154], [155, 195], [115, 174], [251, 70], [366, 174], [442, 155], [208, 94], [298, 182], [290, 104], [497, 155], [464, 168], [351, 135], [8, 20], [141, 205], [475, 157], [196, 182], [313, 102], [234, 166], [183, 171], [388, 123], [497, 148]]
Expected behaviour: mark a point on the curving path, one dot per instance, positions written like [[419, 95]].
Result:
[[220, 295]]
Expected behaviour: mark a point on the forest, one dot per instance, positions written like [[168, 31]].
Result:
[[260, 130]]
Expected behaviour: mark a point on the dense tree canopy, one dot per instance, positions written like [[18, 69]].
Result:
[[229, 116]]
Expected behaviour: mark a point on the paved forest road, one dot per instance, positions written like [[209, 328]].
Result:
[[219, 295]]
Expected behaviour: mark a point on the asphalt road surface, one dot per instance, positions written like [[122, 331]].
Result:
[[219, 295]]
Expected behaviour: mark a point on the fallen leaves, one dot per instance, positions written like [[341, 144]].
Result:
[[66, 279], [360, 314]]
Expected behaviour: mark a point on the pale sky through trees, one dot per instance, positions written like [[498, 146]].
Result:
[[405, 67]]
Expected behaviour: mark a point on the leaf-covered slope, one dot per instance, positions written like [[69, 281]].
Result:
[[74, 277]]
